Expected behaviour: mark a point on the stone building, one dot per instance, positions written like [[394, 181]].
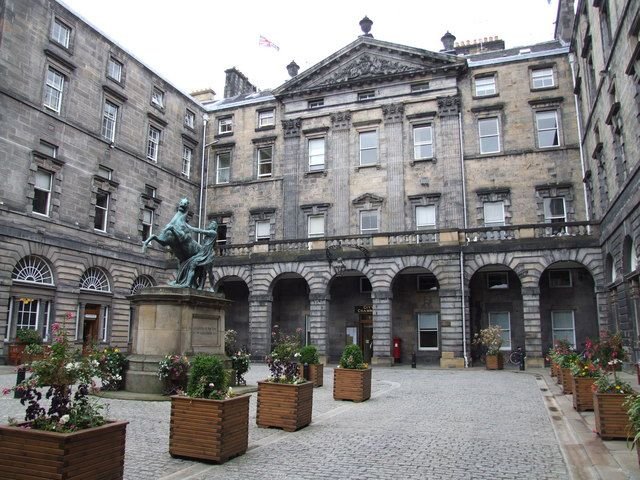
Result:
[[606, 63], [390, 192], [387, 192], [96, 151]]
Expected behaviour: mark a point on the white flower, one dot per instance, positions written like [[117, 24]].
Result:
[[296, 355], [63, 419], [69, 366]]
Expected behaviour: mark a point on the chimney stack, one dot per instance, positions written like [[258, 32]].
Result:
[[236, 83]]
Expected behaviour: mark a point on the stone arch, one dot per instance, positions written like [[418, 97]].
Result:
[[508, 259], [34, 269], [242, 272], [590, 260]]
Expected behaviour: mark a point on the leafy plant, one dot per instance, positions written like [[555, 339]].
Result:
[[28, 336], [284, 357], [584, 368], [62, 367], [568, 360], [174, 369], [207, 378], [609, 382], [632, 404], [230, 339], [490, 338], [607, 349], [309, 355], [240, 362], [352, 358], [111, 364]]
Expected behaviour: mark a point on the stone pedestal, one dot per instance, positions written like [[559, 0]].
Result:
[[171, 320]]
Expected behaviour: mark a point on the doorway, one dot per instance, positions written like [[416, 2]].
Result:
[[366, 336], [90, 327]]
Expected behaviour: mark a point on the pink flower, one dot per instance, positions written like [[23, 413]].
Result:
[[6, 391]]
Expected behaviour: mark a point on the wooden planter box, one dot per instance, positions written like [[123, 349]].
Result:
[[554, 369], [212, 430], [15, 353], [316, 372], [612, 420], [582, 393], [94, 453], [494, 362], [351, 384], [567, 384], [284, 406]]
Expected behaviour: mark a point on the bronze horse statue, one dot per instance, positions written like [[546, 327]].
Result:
[[177, 235]]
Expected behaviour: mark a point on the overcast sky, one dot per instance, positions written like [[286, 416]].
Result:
[[191, 43]]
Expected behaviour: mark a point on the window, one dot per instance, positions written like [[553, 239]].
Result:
[[223, 167], [94, 279], [187, 153], [425, 216], [428, 331], [502, 319], [223, 230], [102, 208], [554, 212], [315, 225], [563, 326], [32, 269], [427, 283], [366, 95], [422, 142], [147, 223], [559, 278], [488, 130], [157, 97], [53, 89], [150, 191], [189, 119], [542, 78], [263, 230], [317, 103], [266, 118], [493, 214], [27, 314], [109, 119], [153, 143], [365, 285], [485, 86], [368, 148], [420, 87], [60, 33], [48, 149], [547, 127], [368, 221], [105, 172], [316, 154], [265, 161], [114, 70], [42, 192], [225, 125], [497, 280]]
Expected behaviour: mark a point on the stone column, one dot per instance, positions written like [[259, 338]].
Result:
[[381, 300], [393, 115], [290, 176], [340, 163], [260, 325], [451, 327], [318, 322], [603, 309], [532, 326], [448, 156]]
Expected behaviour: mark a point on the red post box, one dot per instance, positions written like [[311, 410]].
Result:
[[397, 349]]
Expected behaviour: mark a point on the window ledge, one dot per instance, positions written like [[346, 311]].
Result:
[[377, 166], [423, 160], [541, 89], [480, 97], [222, 135], [314, 173], [262, 129]]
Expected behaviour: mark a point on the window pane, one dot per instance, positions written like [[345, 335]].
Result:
[[428, 320], [488, 126], [485, 86], [426, 216], [263, 230], [43, 180], [563, 320], [554, 207], [428, 339], [422, 134], [316, 225], [368, 140], [493, 213], [368, 157]]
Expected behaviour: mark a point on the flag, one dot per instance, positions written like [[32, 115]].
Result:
[[267, 43]]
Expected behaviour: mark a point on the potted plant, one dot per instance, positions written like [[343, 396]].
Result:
[[352, 376], [240, 362], [583, 373], [285, 400], [560, 347], [25, 337], [174, 369], [71, 436], [607, 348], [490, 339], [609, 393], [309, 361], [111, 365], [566, 363], [209, 422]]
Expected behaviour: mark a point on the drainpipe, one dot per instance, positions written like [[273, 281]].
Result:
[[464, 219], [572, 61]]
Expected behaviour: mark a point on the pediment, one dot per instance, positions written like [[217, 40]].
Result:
[[369, 61]]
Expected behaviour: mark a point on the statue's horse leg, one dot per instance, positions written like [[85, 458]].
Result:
[[160, 239]]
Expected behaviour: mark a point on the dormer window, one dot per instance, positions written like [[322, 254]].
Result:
[[157, 97], [60, 33], [317, 103], [368, 95]]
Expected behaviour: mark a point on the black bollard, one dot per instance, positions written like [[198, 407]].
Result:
[[522, 357], [20, 376], [305, 371], [413, 360]]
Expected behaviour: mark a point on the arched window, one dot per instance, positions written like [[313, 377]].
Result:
[[143, 281], [95, 279], [629, 255], [610, 269], [32, 269]]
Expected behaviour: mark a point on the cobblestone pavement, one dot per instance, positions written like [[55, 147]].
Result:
[[419, 424]]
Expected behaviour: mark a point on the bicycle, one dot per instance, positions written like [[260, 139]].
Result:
[[517, 356]]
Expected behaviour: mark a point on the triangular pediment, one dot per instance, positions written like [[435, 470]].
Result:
[[369, 61]]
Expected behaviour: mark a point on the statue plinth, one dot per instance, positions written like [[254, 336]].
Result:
[[171, 320]]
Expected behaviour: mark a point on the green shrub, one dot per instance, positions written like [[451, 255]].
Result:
[[28, 336], [207, 378], [352, 357], [309, 355]]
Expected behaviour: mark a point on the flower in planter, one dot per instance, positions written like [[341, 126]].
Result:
[[489, 338], [585, 368], [28, 336], [352, 358], [609, 382], [173, 369], [309, 355], [607, 348], [284, 357], [632, 404], [208, 378], [240, 362], [111, 365], [62, 367]]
